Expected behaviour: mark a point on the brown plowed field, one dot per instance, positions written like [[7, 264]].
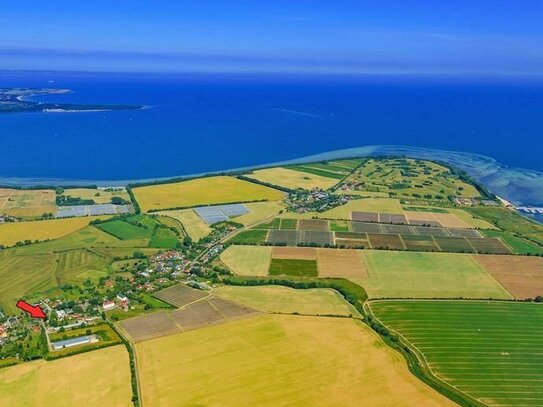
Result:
[[521, 276]]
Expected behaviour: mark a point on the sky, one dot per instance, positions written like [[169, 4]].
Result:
[[488, 37]]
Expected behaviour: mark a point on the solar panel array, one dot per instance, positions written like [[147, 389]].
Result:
[[220, 213], [92, 210]]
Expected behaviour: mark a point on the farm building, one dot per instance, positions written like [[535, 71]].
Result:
[[68, 343]]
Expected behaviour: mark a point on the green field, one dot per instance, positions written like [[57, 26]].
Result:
[[256, 236], [329, 169], [489, 350], [163, 239], [279, 360], [288, 267], [519, 245], [428, 275], [125, 230], [285, 300], [510, 221]]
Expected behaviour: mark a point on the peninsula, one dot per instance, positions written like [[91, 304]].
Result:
[[15, 100]]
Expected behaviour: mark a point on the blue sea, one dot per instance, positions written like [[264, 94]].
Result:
[[202, 123]]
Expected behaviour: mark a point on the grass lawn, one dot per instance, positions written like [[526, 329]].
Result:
[[274, 360], [247, 260], [292, 179], [488, 350], [11, 233], [428, 275], [77, 380], [291, 267], [202, 191], [274, 298]]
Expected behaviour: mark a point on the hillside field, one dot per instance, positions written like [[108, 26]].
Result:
[[202, 191], [74, 381], [284, 360], [488, 350]]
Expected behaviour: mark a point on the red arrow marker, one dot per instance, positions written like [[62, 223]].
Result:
[[34, 311]]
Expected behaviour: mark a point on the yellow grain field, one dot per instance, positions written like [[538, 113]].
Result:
[[275, 360], [202, 191], [292, 179], [11, 233], [99, 378]]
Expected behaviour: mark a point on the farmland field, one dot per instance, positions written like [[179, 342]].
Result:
[[180, 295], [21, 275], [202, 191], [194, 315], [99, 196], [330, 169], [250, 237], [521, 276], [75, 381], [258, 211], [347, 264], [193, 224], [11, 233], [490, 351], [284, 360], [292, 179], [383, 205], [125, 230], [278, 299], [27, 203], [289, 267], [247, 260], [428, 275], [299, 253]]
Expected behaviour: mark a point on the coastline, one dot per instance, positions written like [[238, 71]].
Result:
[[516, 186]]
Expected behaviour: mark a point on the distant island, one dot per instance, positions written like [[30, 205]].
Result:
[[13, 100]]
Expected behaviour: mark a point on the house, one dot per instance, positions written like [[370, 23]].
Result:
[[108, 305], [61, 314], [122, 298]]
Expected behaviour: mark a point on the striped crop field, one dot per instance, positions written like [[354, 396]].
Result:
[[491, 351]]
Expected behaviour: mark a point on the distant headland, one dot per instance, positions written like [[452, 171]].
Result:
[[14, 100]]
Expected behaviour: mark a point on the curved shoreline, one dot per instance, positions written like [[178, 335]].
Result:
[[516, 185]]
